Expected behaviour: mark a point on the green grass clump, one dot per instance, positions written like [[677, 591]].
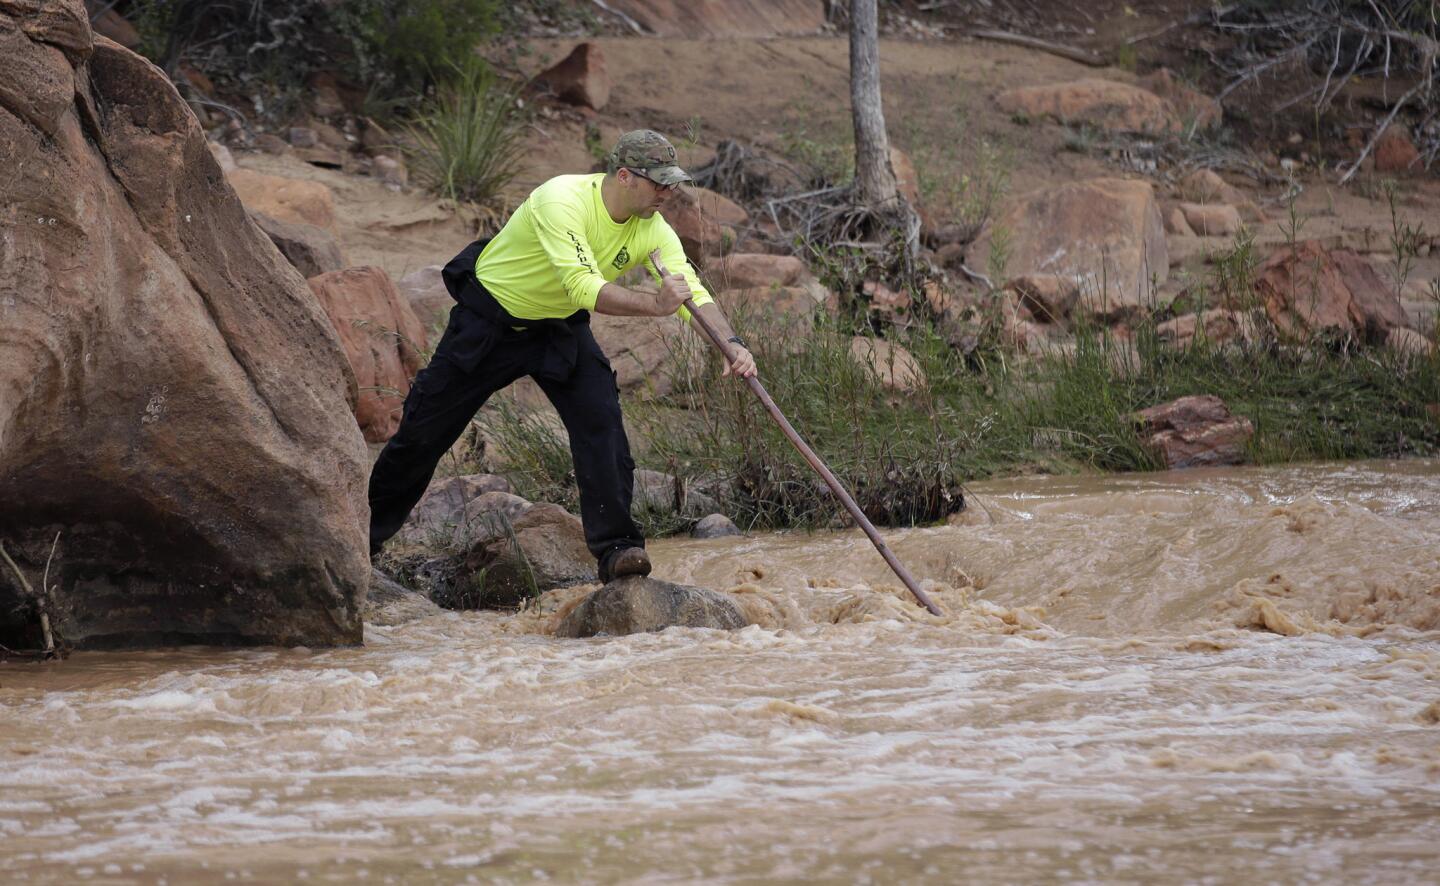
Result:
[[467, 136]]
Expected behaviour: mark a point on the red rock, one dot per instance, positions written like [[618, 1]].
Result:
[[580, 78], [1213, 220], [1395, 153], [751, 270], [893, 366], [1104, 234], [1219, 325], [704, 221], [172, 399], [1104, 103], [714, 206], [643, 352], [428, 297], [1194, 431], [114, 26], [1311, 289], [382, 339], [1176, 224]]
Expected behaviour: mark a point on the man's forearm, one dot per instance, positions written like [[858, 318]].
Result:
[[713, 315], [616, 300]]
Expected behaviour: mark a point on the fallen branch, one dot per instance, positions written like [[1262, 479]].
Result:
[[634, 25], [39, 600], [1084, 57]]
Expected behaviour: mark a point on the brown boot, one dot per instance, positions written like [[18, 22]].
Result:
[[626, 561]]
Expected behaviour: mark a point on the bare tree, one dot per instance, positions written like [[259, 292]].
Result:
[[875, 186]]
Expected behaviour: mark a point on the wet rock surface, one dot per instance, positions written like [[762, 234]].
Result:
[[391, 603], [173, 402], [644, 605], [715, 526]]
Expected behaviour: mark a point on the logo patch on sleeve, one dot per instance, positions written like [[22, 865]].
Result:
[[622, 258]]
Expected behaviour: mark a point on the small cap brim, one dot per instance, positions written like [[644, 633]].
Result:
[[668, 175]]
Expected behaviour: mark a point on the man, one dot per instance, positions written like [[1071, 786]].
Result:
[[523, 309]]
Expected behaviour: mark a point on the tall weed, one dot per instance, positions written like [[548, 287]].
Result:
[[467, 136]]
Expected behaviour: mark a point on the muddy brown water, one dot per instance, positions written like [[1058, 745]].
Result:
[[1216, 676]]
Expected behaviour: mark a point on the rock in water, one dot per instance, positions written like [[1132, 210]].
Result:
[[391, 603], [638, 605], [173, 401]]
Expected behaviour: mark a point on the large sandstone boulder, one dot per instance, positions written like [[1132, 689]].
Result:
[[313, 251], [289, 199], [723, 18], [637, 605], [173, 402], [580, 78], [1194, 431], [1106, 104], [1311, 290], [382, 338], [1105, 234]]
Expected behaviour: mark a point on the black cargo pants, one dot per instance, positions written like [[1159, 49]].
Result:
[[477, 357]]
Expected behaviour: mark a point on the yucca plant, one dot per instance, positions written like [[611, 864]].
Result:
[[466, 137]]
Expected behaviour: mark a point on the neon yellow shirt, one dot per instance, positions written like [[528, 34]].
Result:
[[561, 246]]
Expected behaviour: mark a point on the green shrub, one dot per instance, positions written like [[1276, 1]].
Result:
[[269, 46], [396, 42], [467, 136]]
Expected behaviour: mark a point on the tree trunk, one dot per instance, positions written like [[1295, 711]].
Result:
[[874, 176], [875, 186]]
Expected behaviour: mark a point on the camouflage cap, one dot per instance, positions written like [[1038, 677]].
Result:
[[650, 153]]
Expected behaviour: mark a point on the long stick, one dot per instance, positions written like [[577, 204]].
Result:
[[804, 449]]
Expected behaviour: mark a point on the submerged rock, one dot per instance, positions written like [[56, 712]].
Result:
[[715, 526], [391, 603], [173, 401], [637, 605]]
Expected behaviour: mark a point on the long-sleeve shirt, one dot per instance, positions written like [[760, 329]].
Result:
[[561, 246]]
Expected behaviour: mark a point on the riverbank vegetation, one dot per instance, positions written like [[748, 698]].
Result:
[[906, 453]]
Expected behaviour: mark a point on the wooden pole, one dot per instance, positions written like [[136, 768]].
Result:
[[804, 449]]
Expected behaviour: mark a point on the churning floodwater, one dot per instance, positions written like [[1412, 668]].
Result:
[[1210, 676]]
